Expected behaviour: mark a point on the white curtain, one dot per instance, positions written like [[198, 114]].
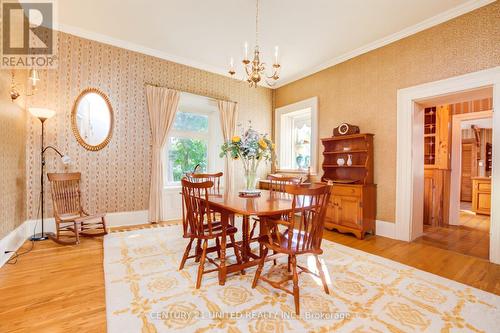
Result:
[[162, 106], [228, 119]]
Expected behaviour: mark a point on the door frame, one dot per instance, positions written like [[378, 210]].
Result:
[[410, 164], [456, 159]]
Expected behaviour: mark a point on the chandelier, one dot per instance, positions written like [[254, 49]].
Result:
[[254, 69]]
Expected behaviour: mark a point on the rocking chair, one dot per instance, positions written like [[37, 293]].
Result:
[[71, 220]]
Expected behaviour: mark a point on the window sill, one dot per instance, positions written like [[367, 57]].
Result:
[[301, 171], [172, 187]]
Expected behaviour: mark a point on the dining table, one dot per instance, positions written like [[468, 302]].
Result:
[[230, 204]]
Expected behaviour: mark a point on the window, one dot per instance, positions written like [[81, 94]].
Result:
[[296, 136], [193, 139]]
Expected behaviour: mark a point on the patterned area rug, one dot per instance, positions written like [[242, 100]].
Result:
[[145, 293]]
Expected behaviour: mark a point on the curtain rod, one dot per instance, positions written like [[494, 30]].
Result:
[[187, 92]]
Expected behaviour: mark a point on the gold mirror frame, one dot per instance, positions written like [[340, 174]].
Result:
[[74, 125]]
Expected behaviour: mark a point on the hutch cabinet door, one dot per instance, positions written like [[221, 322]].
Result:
[[332, 211], [349, 211]]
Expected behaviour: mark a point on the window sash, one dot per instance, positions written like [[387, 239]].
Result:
[[210, 137], [284, 133]]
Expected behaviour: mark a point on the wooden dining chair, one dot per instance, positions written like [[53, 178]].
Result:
[[71, 219], [277, 183], [215, 178], [199, 226], [303, 235]]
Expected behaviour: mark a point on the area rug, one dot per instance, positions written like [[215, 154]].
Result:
[[145, 292]]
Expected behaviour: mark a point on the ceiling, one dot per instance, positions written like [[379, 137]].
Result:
[[480, 123], [312, 35]]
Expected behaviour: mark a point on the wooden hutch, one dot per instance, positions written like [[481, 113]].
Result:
[[352, 204]]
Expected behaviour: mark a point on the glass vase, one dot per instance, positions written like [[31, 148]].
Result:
[[250, 181]]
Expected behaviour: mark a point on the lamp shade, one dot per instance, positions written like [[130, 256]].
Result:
[[66, 159], [42, 113]]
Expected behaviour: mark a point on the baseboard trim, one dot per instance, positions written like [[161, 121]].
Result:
[[16, 238], [386, 229], [12, 242]]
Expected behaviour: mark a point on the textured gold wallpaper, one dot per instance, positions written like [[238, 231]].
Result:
[[362, 90], [117, 177], [12, 158]]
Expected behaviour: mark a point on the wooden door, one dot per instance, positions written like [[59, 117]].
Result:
[[468, 163], [349, 211]]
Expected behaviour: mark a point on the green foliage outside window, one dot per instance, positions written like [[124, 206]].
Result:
[[185, 154]]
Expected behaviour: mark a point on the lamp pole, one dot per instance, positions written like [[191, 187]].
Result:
[[42, 115], [41, 236]]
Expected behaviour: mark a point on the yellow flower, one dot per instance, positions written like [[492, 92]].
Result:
[[262, 144], [236, 139]]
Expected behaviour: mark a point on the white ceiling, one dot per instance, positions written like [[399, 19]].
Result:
[[480, 123], [312, 34]]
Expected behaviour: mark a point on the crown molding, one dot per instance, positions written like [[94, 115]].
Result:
[[426, 24], [72, 30]]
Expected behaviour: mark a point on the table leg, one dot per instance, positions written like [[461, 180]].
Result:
[[262, 232], [245, 244], [223, 241]]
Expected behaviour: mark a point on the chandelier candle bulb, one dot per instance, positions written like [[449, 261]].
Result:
[[276, 53], [231, 69], [246, 51]]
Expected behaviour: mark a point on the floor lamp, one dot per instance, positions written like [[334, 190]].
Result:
[[43, 115]]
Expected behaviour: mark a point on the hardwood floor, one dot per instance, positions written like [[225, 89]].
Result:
[[471, 238], [58, 288]]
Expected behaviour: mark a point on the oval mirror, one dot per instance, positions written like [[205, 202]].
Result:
[[92, 119]]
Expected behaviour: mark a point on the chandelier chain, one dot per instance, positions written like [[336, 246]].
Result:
[[257, 23]]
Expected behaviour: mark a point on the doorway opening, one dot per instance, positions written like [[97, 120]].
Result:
[[457, 145], [410, 154]]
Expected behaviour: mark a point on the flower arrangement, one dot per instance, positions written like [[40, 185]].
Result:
[[251, 148]]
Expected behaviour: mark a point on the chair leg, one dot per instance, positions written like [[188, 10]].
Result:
[[217, 245], [259, 268], [236, 252], [253, 229], [186, 254], [198, 250], [321, 274], [104, 225], [289, 268], [274, 260], [295, 278], [202, 264], [77, 233]]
